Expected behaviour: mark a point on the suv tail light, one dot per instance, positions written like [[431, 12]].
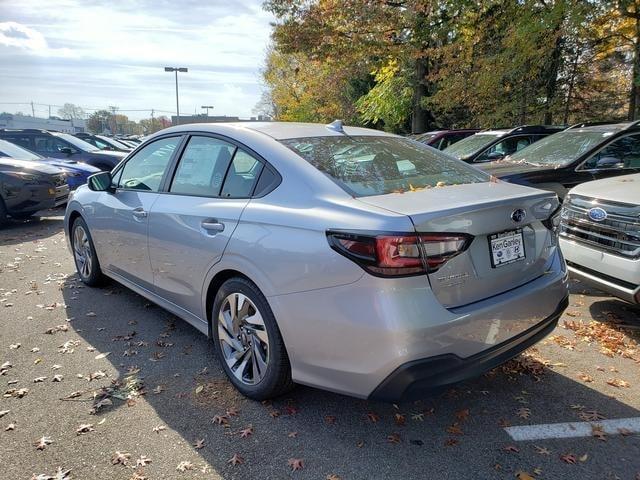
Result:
[[395, 255]]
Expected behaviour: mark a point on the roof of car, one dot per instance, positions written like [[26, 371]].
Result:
[[604, 127], [279, 130]]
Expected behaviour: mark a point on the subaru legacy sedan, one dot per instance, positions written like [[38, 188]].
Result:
[[342, 258]]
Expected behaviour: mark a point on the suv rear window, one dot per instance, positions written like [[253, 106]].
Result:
[[365, 165]]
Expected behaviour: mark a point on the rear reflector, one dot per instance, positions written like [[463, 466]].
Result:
[[393, 255]]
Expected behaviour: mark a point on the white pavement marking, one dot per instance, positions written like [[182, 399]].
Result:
[[572, 429]]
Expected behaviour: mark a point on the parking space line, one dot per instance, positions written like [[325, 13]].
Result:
[[572, 429]]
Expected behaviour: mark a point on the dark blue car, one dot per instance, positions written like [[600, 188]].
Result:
[[76, 172], [62, 146]]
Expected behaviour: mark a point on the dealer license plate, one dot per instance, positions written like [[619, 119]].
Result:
[[506, 247]]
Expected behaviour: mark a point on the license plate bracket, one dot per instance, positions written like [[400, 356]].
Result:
[[506, 248]]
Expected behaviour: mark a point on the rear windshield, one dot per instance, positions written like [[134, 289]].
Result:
[[473, 144], [559, 149], [365, 165]]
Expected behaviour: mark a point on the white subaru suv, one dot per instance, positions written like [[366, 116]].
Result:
[[600, 235]]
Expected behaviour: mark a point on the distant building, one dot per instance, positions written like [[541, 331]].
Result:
[[9, 120], [215, 119]]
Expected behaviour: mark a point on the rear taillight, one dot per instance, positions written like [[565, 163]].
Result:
[[391, 255]]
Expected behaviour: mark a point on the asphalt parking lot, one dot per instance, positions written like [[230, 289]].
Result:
[[100, 383]]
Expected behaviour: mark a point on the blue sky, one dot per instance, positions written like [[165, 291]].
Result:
[[100, 53]]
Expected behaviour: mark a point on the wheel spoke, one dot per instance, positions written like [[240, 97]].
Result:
[[243, 338]]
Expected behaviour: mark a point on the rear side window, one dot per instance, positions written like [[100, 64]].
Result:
[[366, 165], [21, 140], [242, 175], [144, 171], [202, 167]]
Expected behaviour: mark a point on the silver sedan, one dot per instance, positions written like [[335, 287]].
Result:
[[338, 257]]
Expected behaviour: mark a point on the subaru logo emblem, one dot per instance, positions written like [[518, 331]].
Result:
[[518, 215], [597, 214]]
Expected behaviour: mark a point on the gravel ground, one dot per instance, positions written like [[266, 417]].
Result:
[[170, 413]]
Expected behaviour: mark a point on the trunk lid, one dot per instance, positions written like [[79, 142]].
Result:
[[480, 210]]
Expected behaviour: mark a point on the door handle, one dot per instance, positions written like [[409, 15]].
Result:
[[139, 212], [212, 225]]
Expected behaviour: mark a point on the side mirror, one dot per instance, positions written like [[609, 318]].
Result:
[[66, 150], [100, 182]]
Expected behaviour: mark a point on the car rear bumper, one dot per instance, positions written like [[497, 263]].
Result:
[[430, 375], [350, 339]]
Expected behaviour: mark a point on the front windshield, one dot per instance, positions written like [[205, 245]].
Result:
[[14, 151], [76, 142], [470, 145], [559, 149], [367, 165]]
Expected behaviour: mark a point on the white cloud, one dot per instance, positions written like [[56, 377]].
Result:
[[100, 52]]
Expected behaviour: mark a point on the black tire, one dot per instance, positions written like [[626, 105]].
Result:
[[94, 276], [277, 379], [3, 213]]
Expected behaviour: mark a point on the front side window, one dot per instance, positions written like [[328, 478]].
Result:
[[623, 153], [242, 175], [508, 146], [144, 171], [365, 165], [202, 167], [49, 145]]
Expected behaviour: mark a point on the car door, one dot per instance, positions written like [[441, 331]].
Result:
[[119, 221], [191, 224], [619, 157]]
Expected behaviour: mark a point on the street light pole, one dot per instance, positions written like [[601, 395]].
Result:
[[176, 70], [207, 107]]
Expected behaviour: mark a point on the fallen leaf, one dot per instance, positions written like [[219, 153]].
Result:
[[159, 428], [618, 383], [42, 443], [598, 432], [220, 420], [462, 415], [246, 432], [199, 444], [586, 378], [523, 412], [39, 379], [292, 435], [373, 417], [296, 464], [542, 450], [451, 442], [330, 419], [143, 461], [10, 427], [591, 416], [455, 429], [120, 458], [417, 417], [236, 460], [3, 413], [102, 355], [57, 378], [569, 458], [511, 448], [84, 428], [232, 412], [184, 466], [394, 438], [199, 389]]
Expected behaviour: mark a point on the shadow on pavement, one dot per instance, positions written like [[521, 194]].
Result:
[[41, 226], [332, 432]]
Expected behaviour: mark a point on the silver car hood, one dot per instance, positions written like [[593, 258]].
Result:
[[624, 189]]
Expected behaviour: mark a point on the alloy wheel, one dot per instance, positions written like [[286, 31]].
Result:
[[82, 251], [243, 338]]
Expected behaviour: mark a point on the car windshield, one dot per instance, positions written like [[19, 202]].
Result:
[[560, 149], [112, 142], [8, 149], [76, 142], [470, 145], [365, 165]]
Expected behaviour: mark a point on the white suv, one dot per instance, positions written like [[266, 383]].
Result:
[[600, 235]]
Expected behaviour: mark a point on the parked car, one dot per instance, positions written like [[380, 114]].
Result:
[[62, 145], [442, 139], [600, 235], [343, 258], [491, 145], [27, 187], [76, 173], [103, 143], [582, 153]]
